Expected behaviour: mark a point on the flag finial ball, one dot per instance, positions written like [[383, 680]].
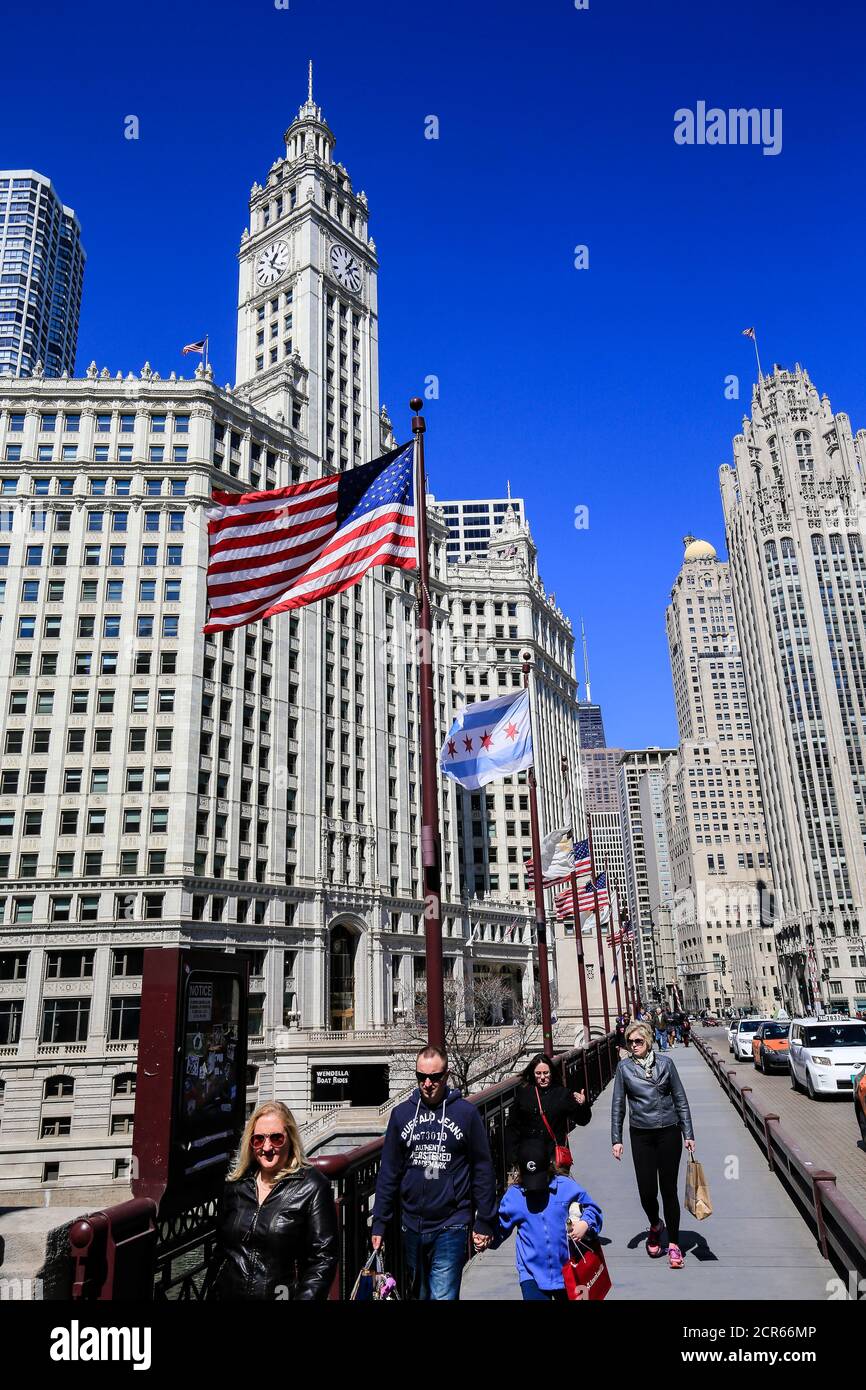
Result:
[[527, 656], [416, 404]]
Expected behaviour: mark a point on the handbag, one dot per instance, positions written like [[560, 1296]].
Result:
[[373, 1285], [586, 1278], [563, 1158], [697, 1192]]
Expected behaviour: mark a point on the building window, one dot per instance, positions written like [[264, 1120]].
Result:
[[124, 1015], [65, 1020]]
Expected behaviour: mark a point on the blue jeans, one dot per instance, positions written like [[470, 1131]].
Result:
[[533, 1294], [435, 1261], [662, 1039]]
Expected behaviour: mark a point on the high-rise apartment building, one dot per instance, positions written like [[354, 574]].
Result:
[[719, 851], [41, 276], [795, 516], [637, 766], [472, 524]]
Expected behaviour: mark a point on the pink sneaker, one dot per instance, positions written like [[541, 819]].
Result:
[[654, 1242], [675, 1257]]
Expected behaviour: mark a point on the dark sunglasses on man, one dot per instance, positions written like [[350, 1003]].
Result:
[[434, 1076]]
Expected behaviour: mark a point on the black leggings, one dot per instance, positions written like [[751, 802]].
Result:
[[656, 1154]]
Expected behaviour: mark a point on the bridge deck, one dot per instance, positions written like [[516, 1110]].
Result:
[[754, 1246]]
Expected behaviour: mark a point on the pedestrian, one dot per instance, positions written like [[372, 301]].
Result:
[[436, 1156], [687, 1030], [659, 1122], [619, 1034], [544, 1109], [277, 1224], [661, 1029], [545, 1207]]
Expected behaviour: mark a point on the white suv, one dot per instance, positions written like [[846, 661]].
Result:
[[824, 1054], [741, 1039]]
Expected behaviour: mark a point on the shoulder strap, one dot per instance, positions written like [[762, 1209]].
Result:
[[544, 1118]]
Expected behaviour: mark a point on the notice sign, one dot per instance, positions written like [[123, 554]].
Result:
[[359, 1085], [200, 1002]]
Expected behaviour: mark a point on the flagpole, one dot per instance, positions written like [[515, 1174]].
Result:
[[578, 936], [538, 884], [612, 929], [430, 846], [206, 345], [601, 970], [635, 992]]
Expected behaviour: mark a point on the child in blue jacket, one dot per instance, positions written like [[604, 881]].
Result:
[[538, 1209]]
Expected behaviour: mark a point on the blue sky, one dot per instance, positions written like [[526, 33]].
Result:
[[602, 387]]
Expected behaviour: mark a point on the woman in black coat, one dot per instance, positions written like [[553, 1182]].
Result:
[[277, 1225], [542, 1092]]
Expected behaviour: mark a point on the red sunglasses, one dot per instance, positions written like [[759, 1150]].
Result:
[[277, 1140]]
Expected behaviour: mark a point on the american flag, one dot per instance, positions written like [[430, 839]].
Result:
[[586, 897], [272, 551], [749, 333], [194, 347], [565, 862]]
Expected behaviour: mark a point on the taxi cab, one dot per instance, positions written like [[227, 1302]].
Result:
[[770, 1046]]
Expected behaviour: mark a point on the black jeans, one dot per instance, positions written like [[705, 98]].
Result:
[[656, 1154]]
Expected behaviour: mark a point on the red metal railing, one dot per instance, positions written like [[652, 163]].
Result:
[[839, 1226]]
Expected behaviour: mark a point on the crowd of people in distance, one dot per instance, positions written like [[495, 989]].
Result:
[[277, 1234]]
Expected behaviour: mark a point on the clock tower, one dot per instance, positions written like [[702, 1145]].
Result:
[[307, 297]]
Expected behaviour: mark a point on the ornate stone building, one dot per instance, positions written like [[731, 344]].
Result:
[[795, 515]]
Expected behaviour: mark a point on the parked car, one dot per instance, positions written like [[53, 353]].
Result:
[[732, 1028], [742, 1040], [860, 1101], [770, 1046], [824, 1054]]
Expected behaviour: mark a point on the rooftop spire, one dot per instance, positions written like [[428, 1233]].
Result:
[[585, 661], [310, 85]]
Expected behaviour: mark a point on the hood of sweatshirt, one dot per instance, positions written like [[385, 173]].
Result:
[[450, 1095]]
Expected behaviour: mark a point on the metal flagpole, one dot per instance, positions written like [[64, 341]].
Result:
[[206, 345], [538, 881], [612, 931], [578, 934], [601, 970], [430, 845], [635, 991]]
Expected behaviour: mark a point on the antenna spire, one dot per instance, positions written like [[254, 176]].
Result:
[[585, 661], [310, 86]]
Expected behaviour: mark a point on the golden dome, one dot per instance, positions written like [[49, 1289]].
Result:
[[698, 550]]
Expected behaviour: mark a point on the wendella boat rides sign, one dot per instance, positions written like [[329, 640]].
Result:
[[191, 1081]]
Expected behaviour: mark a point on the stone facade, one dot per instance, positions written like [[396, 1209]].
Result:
[[794, 503]]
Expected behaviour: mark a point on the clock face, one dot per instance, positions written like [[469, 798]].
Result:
[[346, 268], [272, 262]]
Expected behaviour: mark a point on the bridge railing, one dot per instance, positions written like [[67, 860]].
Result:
[[354, 1174], [839, 1226]]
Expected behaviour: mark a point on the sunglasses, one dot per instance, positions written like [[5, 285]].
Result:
[[637, 1042], [435, 1076], [277, 1140]]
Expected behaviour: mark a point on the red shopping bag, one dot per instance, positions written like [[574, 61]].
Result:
[[585, 1273]]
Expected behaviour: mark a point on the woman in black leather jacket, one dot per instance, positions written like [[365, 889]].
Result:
[[540, 1098], [659, 1123], [277, 1225]]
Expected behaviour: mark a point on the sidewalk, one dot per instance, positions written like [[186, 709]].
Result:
[[754, 1246]]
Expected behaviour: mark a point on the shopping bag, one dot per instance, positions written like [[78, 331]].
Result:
[[374, 1284], [585, 1273], [697, 1192]]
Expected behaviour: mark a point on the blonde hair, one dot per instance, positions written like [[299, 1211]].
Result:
[[245, 1159], [642, 1031]]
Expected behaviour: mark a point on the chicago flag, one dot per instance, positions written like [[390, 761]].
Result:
[[489, 739]]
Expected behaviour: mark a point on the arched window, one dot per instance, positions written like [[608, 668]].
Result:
[[58, 1088], [252, 1076], [342, 982], [771, 445], [124, 1085], [803, 445]]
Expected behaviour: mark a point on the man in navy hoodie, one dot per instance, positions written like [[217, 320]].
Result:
[[437, 1157]]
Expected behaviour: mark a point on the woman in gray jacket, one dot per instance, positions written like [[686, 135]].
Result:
[[659, 1120]]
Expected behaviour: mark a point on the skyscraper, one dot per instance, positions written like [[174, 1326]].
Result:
[[41, 275], [718, 840], [795, 515], [637, 766], [473, 523]]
